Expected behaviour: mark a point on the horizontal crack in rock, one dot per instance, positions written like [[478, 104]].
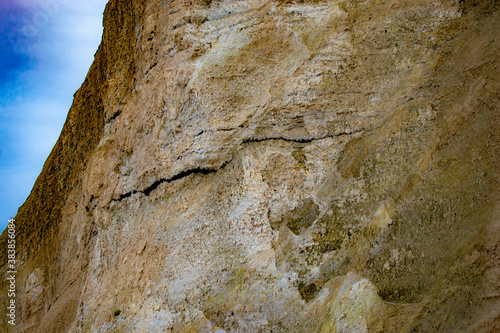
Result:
[[147, 191], [229, 129], [301, 140], [181, 175]]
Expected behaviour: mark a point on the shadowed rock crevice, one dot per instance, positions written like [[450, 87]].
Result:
[[114, 116], [308, 291], [302, 140], [147, 191]]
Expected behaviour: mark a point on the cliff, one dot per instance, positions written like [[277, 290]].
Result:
[[273, 166]]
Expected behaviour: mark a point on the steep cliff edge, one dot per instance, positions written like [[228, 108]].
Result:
[[273, 166]]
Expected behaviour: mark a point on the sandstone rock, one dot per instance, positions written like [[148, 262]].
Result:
[[253, 166]]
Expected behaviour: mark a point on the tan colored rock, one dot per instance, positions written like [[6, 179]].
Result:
[[252, 166]]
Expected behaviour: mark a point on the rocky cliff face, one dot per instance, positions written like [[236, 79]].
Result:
[[273, 166]]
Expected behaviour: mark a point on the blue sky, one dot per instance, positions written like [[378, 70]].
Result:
[[46, 48]]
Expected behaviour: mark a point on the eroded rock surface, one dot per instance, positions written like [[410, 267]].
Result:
[[273, 166]]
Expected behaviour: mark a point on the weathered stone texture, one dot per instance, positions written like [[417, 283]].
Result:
[[274, 166]]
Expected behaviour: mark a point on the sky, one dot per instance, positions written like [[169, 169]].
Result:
[[46, 49]]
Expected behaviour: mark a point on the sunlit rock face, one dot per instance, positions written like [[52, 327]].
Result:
[[273, 166]]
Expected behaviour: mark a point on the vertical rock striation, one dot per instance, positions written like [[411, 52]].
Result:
[[273, 166]]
